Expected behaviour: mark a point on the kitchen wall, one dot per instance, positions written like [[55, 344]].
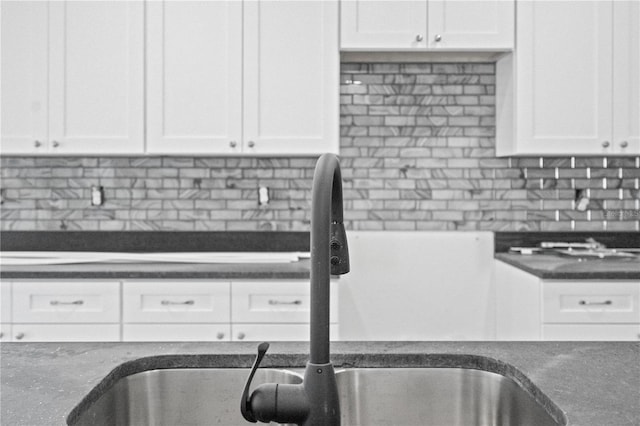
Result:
[[417, 152]]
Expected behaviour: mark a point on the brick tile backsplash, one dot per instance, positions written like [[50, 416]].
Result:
[[417, 153]]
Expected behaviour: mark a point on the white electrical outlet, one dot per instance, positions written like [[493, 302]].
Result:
[[97, 196]]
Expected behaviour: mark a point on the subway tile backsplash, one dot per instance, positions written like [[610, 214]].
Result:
[[417, 153]]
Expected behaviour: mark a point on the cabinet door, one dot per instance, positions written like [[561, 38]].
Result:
[[291, 77], [471, 24], [276, 332], [626, 77], [194, 77], [96, 66], [563, 77], [175, 332], [591, 332], [5, 301], [24, 77], [66, 332], [379, 25]]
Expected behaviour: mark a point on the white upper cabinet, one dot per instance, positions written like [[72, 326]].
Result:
[[572, 85], [24, 97], [626, 77], [291, 77], [252, 77], [72, 77], [194, 77], [427, 24]]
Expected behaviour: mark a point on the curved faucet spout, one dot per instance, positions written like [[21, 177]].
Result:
[[329, 251]]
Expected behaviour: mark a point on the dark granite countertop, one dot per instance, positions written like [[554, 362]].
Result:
[[293, 270], [594, 383], [549, 266]]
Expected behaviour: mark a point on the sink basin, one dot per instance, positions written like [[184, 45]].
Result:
[[181, 396], [436, 396], [368, 396]]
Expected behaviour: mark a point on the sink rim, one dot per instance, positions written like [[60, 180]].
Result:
[[341, 363]]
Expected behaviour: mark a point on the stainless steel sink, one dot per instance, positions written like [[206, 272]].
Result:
[[436, 396], [178, 397], [368, 396]]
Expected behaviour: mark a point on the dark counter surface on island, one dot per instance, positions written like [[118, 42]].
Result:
[[593, 383], [551, 266]]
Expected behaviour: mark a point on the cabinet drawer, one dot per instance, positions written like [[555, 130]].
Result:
[[175, 302], [610, 332], [591, 302], [175, 332], [276, 332], [66, 302], [66, 332], [275, 302], [5, 301]]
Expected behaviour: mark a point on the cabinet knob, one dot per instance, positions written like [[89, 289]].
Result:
[[251, 144], [624, 144], [1, 335], [241, 336], [37, 144], [220, 335], [233, 144], [605, 144], [419, 37], [55, 144], [19, 336], [438, 37]]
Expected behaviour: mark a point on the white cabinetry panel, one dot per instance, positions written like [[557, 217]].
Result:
[[276, 332], [471, 24], [626, 76], [591, 302], [66, 332], [374, 24], [72, 77], [565, 62], [406, 25], [175, 302], [24, 101], [573, 85], [175, 332], [66, 302], [275, 302], [194, 76], [291, 77], [601, 332], [5, 301]]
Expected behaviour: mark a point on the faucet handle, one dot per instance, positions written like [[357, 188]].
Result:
[[339, 249], [245, 407]]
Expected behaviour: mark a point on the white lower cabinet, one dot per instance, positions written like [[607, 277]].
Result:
[[65, 332], [175, 332], [57, 311], [530, 308], [276, 332], [158, 310]]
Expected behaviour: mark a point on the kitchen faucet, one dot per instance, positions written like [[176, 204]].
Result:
[[315, 400]]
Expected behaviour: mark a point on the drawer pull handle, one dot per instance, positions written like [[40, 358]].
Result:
[[59, 303], [606, 302], [170, 302], [280, 302]]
